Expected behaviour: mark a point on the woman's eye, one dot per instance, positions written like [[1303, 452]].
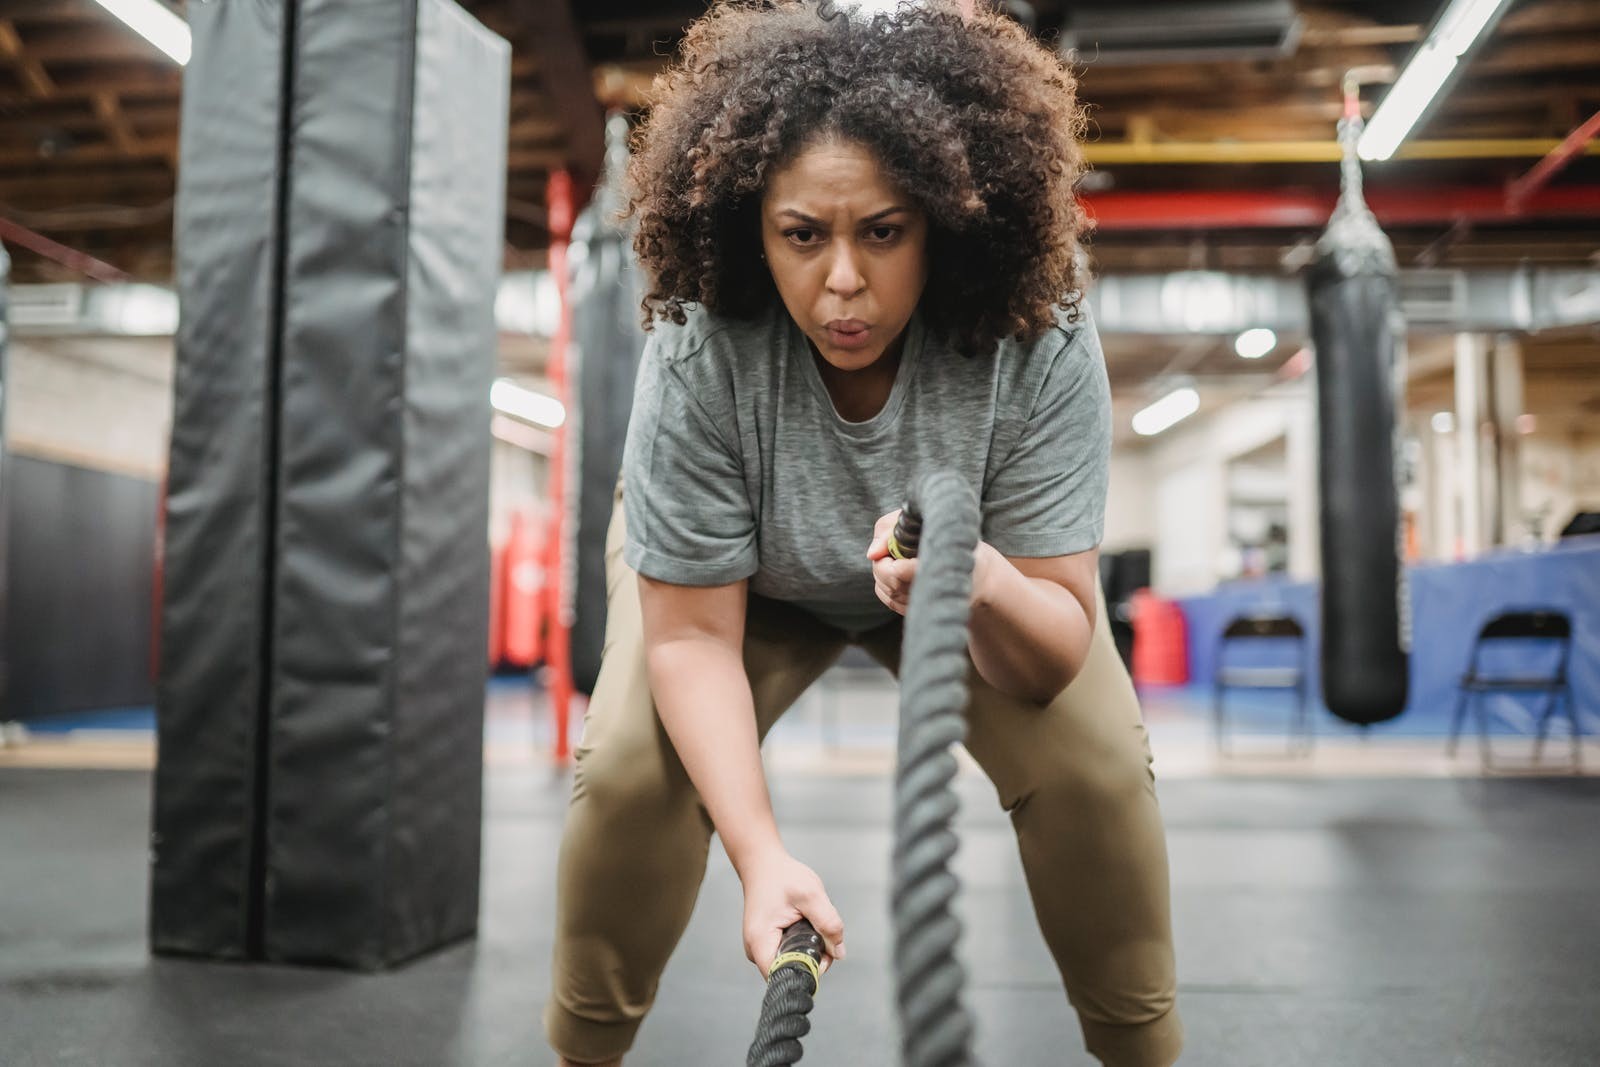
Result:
[[884, 233], [801, 236]]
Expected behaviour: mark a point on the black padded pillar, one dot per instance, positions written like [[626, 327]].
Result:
[[325, 625]]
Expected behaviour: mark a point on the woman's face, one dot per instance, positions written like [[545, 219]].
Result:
[[847, 249]]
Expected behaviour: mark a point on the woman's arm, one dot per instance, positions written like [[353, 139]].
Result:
[[694, 641], [1032, 620], [1032, 617], [694, 649]]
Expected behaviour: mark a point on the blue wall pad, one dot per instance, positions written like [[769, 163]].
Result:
[[1449, 604]]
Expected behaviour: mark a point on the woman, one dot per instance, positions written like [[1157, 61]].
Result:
[[860, 240]]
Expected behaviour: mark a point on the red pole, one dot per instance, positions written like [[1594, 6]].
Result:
[[558, 613], [70, 258], [1541, 173]]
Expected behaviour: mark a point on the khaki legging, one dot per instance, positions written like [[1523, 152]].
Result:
[[1074, 775]]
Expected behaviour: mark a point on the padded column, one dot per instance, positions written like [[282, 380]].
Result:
[[211, 689], [367, 722]]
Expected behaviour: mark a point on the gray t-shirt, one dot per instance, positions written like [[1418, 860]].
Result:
[[738, 465]]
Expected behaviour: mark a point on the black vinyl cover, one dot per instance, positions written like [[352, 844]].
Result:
[[1355, 326], [607, 341], [353, 760], [5, 336], [392, 258], [209, 694]]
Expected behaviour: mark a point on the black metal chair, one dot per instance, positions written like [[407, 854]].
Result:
[[1543, 625], [1247, 628]]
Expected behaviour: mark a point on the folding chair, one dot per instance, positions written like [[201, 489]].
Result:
[[1261, 628], [1541, 625]]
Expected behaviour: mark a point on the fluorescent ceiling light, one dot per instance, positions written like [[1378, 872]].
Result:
[[156, 23], [1458, 28], [1253, 344], [527, 405], [1167, 412], [1443, 421]]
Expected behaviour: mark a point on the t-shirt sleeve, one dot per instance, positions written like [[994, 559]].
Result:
[[1048, 496], [688, 514]]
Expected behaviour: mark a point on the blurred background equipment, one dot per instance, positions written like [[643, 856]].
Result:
[[1357, 333], [606, 345]]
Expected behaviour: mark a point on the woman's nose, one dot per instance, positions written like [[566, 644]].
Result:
[[844, 273]]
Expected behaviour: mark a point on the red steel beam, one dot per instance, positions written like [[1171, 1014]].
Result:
[[1277, 209]]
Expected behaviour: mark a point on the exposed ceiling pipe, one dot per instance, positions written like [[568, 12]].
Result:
[[1199, 210], [70, 258], [1530, 183], [1164, 152]]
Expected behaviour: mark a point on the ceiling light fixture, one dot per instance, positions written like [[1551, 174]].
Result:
[[1425, 73], [527, 405], [1166, 412], [1253, 344], [156, 23]]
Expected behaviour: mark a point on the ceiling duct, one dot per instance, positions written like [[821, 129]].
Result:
[[1125, 33], [1193, 302]]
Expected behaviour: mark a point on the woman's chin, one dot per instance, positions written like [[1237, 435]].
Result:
[[849, 359]]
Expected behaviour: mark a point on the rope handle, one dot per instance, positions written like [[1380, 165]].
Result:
[[907, 533], [801, 945]]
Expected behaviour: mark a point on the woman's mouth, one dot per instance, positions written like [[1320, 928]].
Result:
[[848, 333]]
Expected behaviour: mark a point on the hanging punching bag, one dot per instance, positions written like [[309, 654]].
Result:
[[1356, 330], [607, 343]]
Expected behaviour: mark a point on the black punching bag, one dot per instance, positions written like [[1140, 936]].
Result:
[[607, 342], [1355, 330]]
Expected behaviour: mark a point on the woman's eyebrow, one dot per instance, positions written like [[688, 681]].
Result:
[[875, 217]]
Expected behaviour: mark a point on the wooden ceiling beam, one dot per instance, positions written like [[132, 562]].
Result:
[[118, 130], [29, 70], [1549, 16], [536, 159], [81, 44], [1526, 55], [152, 79], [51, 10], [549, 33], [537, 127], [114, 186], [159, 148]]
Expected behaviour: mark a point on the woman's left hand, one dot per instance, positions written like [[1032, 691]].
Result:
[[892, 578]]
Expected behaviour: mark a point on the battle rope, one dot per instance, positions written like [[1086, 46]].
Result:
[[935, 1026]]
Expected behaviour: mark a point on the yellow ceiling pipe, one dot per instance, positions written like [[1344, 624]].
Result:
[[1129, 152]]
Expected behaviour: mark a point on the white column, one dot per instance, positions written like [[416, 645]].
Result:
[[1469, 418], [1305, 518], [1507, 392]]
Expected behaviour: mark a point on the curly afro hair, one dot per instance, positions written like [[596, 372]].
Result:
[[973, 119]]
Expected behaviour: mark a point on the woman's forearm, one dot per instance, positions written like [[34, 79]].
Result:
[[703, 697], [1028, 637]]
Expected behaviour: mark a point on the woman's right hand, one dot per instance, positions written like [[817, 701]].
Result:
[[779, 891]]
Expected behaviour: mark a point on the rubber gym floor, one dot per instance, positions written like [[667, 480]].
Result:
[[1373, 904]]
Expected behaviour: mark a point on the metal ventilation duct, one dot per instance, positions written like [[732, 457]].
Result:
[[1125, 33], [1521, 300]]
